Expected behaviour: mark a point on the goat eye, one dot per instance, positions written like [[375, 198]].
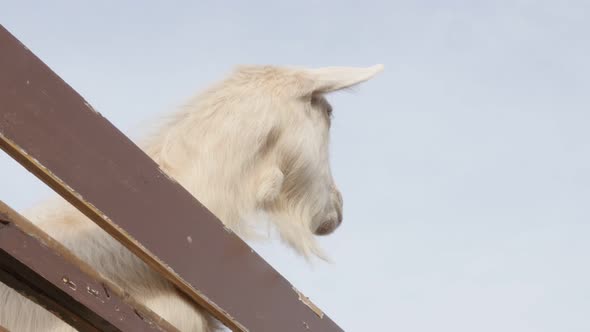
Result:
[[322, 104]]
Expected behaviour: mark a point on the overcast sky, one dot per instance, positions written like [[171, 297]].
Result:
[[464, 166]]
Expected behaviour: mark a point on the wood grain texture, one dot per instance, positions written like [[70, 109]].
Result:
[[55, 134], [44, 271]]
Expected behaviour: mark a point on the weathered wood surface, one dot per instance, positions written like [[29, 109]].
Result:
[[55, 134], [44, 271]]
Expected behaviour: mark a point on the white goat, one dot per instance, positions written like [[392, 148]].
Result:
[[257, 141]]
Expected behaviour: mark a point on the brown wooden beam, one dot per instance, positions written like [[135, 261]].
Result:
[[58, 136], [44, 271]]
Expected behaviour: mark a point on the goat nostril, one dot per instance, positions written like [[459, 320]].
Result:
[[324, 229]]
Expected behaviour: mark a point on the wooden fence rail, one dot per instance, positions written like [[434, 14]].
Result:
[[46, 272], [47, 127]]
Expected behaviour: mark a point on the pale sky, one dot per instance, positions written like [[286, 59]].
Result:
[[464, 166]]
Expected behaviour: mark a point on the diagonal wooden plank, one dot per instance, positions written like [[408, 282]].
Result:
[[55, 134], [44, 271]]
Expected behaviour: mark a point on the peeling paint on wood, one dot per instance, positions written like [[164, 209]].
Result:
[[309, 304]]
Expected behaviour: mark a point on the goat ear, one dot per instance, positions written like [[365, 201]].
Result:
[[330, 79]]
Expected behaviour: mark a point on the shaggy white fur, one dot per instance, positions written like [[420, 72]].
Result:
[[256, 141]]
